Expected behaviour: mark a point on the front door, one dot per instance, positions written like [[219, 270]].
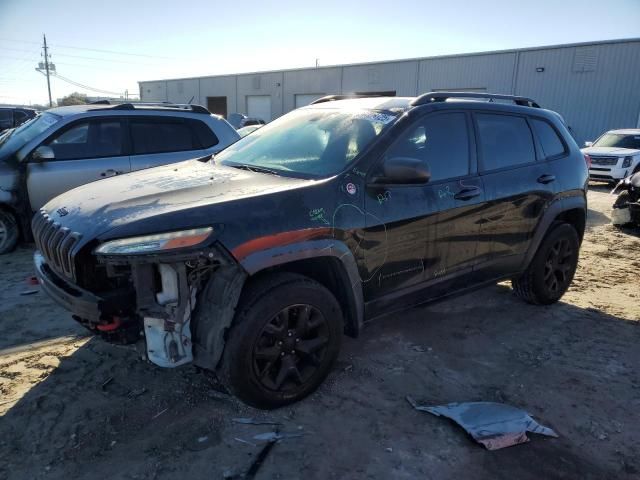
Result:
[[417, 233], [84, 151]]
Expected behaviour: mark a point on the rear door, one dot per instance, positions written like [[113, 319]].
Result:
[[162, 140], [518, 188], [85, 151]]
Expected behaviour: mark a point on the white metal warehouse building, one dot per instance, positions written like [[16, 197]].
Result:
[[595, 86]]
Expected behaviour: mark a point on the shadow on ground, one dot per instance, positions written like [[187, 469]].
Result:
[[102, 412]]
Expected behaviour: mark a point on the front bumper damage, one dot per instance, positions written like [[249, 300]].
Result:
[[181, 304]]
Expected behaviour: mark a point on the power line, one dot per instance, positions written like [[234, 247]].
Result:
[[86, 87], [115, 52]]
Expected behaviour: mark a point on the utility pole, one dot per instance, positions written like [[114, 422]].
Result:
[[46, 67]]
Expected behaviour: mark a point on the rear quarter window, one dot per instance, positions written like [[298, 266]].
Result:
[[205, 136], [504, 141], [552, 145]]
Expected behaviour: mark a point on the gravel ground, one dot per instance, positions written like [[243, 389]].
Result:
[[72, 406]]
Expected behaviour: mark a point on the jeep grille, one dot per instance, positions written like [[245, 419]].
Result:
[[55, 242]]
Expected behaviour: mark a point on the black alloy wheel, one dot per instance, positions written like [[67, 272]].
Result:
[[290, 348]]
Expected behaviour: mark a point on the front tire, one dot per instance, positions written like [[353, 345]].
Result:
[[284, 340], [552, 269], [9, 232]]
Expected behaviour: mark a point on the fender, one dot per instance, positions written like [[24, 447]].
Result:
[[555, 208], [281, 255]]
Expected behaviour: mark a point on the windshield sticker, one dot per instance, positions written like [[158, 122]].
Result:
[[48, 120]]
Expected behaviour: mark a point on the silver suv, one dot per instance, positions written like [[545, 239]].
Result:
[[69, 146]]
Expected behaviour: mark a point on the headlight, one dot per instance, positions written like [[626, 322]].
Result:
[[627, 162], [155, 243]]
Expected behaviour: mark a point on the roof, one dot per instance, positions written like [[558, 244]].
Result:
[[369, 103], [74, 109], [626, 131]]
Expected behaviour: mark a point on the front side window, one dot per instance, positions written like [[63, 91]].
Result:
[[504, 141], [88, 140], [617, 140], [309, 142], [441, 140], [161, 135]]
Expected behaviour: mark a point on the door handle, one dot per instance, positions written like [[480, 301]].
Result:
[[110, 173], [546, 178], [467, 193]]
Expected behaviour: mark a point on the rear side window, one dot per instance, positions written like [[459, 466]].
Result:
[[442, 140], [504, 141], [551, 143], [161, 135], [204, 134], [87, 140]]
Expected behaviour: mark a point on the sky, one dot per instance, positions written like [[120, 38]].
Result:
[[111, 45]]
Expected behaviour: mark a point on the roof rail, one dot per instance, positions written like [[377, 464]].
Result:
[[177, 106], [444, 96], [333, 98]]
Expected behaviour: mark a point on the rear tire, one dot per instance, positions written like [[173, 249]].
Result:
[[9, 232], [552, 269], [284, 340]]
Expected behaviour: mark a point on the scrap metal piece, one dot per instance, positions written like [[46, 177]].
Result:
[[494, 425]]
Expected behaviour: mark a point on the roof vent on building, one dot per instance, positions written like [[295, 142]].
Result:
[[585, 59]]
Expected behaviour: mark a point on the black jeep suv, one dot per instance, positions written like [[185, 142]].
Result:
[[254, 263]]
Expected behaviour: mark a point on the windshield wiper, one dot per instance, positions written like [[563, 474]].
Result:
[[255, 168]]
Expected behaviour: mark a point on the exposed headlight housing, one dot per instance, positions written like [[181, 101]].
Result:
[[155, 243], [627, 162]]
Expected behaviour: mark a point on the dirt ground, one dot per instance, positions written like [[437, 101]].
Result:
[[72, 406]]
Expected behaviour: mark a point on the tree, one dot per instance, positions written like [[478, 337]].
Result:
[[74, 98]]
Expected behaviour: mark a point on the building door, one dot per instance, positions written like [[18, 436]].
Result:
[[217, 105], [259, 106], [303, 99]]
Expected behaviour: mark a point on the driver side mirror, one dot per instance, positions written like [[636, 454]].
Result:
[[588, 144], [43, 153], [403, 170]]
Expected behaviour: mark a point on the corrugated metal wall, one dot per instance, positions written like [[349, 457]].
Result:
[[596, 86]]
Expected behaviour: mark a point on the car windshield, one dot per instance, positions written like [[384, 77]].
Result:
[[619, 141], [308, 143], [13, 140]]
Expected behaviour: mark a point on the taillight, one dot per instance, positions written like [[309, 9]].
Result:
[[587, 160]]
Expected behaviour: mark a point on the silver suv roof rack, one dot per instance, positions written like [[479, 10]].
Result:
[[432, 97], [162, 105]]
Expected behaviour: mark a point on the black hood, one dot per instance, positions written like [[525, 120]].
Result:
[[178, 196]]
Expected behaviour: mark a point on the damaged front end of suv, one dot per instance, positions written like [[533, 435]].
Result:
[[149, 283]]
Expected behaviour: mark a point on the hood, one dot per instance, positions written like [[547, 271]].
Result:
[[166, 198], [614, 151]]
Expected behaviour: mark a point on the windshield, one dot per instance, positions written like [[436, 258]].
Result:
[[618, 141], [308, 143], [13, 140]]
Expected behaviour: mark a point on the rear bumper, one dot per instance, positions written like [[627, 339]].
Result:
[[79, 302]]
